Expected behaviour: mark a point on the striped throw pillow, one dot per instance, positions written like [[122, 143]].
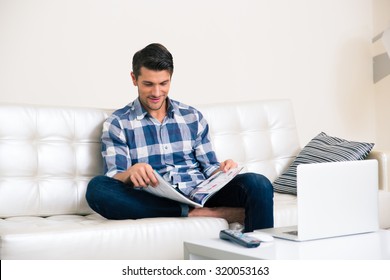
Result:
[[322, 148]]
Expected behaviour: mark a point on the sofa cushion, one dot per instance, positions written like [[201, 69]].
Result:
[[92, 237], [322, 148]]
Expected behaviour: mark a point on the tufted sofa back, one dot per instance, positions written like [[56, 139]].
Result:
[[259, 135], [49, 154], [47, 157]]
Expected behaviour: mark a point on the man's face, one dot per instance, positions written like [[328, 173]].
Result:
[[153, 87]]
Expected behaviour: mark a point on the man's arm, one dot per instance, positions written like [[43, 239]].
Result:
[[117, 161]]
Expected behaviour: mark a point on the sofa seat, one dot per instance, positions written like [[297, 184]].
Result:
[[94, 237], [285, 210]]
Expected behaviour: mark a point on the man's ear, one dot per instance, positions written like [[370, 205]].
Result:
[[133, 78]]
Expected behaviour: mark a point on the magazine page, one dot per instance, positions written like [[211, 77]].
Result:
[[213, 184], [218, 180], [164, 189], [200, 194]]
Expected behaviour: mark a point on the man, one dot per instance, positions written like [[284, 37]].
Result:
[[155, 132]]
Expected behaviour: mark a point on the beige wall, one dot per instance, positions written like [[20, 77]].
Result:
[[317, 53], [381, 19]]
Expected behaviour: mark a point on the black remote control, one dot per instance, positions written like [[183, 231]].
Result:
[[239, 238]]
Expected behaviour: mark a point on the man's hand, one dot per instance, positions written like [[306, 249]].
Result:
[[227, 165], [139, 175]]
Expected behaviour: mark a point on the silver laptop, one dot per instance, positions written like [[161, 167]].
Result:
[[334, 199]]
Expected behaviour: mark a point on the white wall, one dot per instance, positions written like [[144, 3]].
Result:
[[315, 52]]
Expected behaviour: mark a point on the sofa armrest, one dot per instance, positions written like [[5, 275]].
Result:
[[383, 158]]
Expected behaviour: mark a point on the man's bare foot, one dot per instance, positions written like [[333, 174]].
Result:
[[230, 214]]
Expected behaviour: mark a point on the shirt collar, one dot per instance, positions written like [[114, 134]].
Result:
[[141, 112]]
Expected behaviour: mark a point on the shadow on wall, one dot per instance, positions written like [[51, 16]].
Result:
[[381, 62]]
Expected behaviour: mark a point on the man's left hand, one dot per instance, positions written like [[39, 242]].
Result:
[[227, 165]]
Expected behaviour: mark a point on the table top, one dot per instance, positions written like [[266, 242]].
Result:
[[375, 246]]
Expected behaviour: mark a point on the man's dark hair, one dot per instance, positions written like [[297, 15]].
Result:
[[153, 57]]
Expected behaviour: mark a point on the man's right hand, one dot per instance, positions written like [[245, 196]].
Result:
[[139, 175]]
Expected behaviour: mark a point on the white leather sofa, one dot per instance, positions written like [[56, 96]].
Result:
[[48, 155]]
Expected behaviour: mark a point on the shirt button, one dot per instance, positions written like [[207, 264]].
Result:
[[166, 147]]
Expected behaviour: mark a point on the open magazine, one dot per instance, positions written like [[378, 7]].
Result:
[[201, 192]]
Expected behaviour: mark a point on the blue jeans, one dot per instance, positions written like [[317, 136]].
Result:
[[115, 200]]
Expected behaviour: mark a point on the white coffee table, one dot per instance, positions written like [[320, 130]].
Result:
[[367, 246]]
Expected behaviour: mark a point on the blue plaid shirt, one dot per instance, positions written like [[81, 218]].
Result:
[[179, 148]]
